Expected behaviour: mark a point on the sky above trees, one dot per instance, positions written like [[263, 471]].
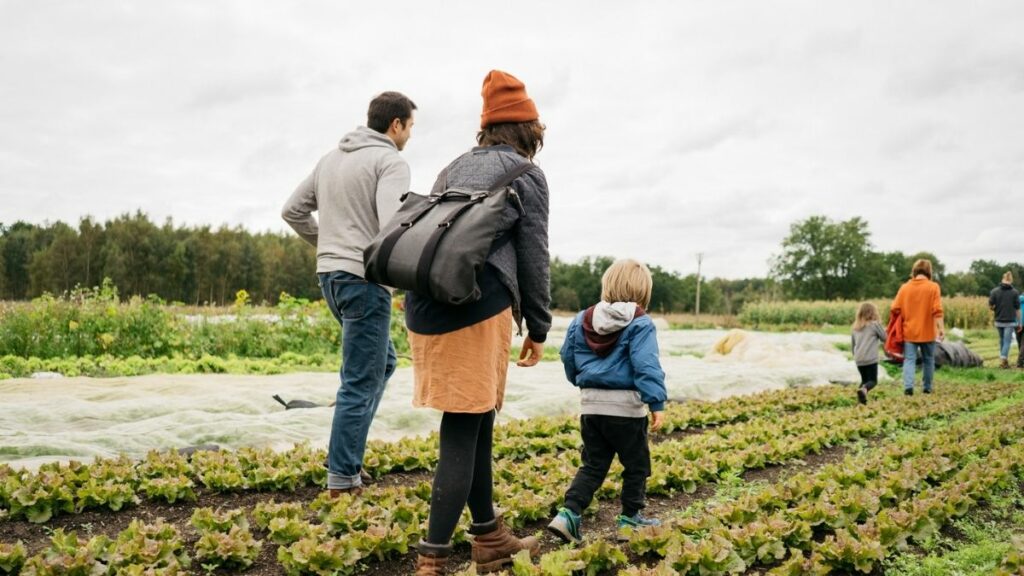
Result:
[[673, 127]]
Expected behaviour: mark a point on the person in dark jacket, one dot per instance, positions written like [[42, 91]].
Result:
[[1004, 300], [1020, 334], [461, 353], [611, 353]]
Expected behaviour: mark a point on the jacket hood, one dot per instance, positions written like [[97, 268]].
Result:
[[604, 322], [363, 137], [1006, 286]]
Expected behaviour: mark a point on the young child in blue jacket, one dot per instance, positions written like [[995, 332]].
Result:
[[611, 353]]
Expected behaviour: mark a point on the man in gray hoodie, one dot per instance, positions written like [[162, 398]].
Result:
[[355, 188]]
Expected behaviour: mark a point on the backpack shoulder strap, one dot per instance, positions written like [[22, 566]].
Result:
[[511, 176]]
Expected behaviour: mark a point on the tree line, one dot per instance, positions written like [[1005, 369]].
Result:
[[820, 260], [192, 265], [823, 259]]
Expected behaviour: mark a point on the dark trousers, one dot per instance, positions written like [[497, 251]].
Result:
[[1020, 349], [463, 475], [605, 437], [868, 375]]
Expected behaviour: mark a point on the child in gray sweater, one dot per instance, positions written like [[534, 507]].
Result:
[[867, 335]]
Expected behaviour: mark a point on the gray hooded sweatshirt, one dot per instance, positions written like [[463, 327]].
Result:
[[354, 189]]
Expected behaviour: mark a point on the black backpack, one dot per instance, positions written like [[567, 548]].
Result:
[[436, 245]]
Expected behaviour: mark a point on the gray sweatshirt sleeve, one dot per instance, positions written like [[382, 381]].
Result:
[[880, 332], [533, 260], [298, 210], [393, 181]]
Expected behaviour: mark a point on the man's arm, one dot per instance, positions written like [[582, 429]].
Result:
[[298, 210], [392, 183]]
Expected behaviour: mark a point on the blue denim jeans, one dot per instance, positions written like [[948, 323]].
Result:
[[910, 363], [367, 362], [1005, 340]]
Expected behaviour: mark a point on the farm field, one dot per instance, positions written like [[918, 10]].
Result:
[[788, 482], [763, 467]]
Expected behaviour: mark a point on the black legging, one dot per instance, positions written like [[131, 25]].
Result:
[[868, 375], [463, 474]]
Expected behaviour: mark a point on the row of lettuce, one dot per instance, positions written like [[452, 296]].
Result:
[[845, 517], [169, 476]]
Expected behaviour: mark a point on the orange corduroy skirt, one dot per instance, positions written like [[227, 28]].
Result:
[[463, 371]]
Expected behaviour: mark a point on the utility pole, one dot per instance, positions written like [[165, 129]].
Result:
[[700, 258]]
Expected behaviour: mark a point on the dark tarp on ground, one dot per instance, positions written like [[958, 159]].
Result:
[[955, 354]]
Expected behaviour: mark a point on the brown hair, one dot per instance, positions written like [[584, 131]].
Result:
[[922, 266], [627, 281], [385, 108], [526, 137], [866, 314], [1008, 277]]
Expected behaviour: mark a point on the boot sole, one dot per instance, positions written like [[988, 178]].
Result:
[[502, 562], [563, 534]]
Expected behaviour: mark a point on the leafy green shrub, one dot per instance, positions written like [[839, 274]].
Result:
[[156, 546], [170, 489], [12, 558], [235, 548], [266, 511], [316, 557], [68, 556], [208, 520]]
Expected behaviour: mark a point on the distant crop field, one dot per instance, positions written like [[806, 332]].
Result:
[[967, 312]]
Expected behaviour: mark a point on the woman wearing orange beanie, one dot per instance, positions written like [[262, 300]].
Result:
[[460, 353]]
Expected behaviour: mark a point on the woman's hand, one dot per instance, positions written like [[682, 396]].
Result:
[[531, 353]]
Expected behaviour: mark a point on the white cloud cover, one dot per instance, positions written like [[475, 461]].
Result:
[[673, 127]]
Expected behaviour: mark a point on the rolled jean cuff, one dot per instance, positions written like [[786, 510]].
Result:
[[342, 482]]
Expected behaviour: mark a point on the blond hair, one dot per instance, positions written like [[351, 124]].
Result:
[[866, 314], [922, 266], [1008, 277], [627, 280]]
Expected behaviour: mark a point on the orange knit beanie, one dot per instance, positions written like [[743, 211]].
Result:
[[505, 100]]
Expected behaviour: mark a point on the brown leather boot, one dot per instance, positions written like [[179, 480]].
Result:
[[335, 492], [1004, 364], [494, 545], [432, 558]]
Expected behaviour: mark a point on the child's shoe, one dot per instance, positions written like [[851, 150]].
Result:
[[862, 395], [632, 522], [566, 525]]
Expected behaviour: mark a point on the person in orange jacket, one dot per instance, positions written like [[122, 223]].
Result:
[[919, 304]]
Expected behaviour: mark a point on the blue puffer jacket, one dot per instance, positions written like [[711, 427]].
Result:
[[632, 364]]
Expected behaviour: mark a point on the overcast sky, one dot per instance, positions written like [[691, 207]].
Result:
[[673, 127]]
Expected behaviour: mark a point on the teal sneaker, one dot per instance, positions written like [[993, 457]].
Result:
[[566, 525], [631, 523]]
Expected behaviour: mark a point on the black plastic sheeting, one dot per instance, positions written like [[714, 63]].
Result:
[[956, 354]]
